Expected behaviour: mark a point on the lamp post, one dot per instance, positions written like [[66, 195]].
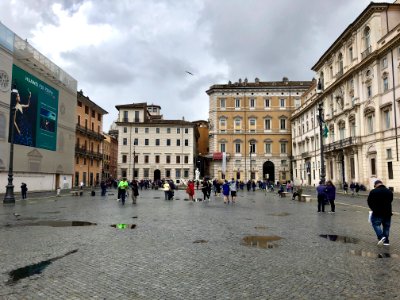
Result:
[[134, 161], [9, 197], [321, 132]]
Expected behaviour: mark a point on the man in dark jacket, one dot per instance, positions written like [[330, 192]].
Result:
[[321, 196], [380, 202]]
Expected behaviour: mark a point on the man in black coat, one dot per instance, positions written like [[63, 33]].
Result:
[[380, 202]]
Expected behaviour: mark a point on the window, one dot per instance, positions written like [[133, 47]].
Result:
[[79, 120], [186, 173], [390, 169], [84, 161], [384, 62], [186, 130], [124, 141], [282, 102], [267, 103], [157, 130], [124, 158], [389, 153], [178, 130], [168, 142], [136, 142], [386, 118], [252, 122], [252, 148], [93, 114], [136, 158], [237, 148], [222, 103], [146, 130], [186, 142], [146, 159], [283, 148], [125, 129], [369, 91], [237, 124], [168, 159], [370, 124], [99, 117], [268, 148], [186, 159], [222, 147], [252, 103], [137, 116], [136, 130], [237, 103], [297, 102], [177, 173], [77, 160], [79, 103], [222, 122], [157, 158], [146, 173], [373, 166], [178, 142], [86, 109], [125, 116], [351, 54], [178, 159], [167, 173], [157, 142], [168, 130], [283, 124], [267, 124], [146, 142], [385, 83]]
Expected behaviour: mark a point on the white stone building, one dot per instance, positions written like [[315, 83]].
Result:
[[360, 78], [150, 147]]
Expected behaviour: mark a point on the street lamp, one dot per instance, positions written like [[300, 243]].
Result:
[[134, 160], [9, 197], [321, 132]]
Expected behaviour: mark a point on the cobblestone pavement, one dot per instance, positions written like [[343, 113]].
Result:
[[185, 250]]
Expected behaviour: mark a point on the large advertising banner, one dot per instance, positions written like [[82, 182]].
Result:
[[34, 118]]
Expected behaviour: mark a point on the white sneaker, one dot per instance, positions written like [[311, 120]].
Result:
[[381, 241]]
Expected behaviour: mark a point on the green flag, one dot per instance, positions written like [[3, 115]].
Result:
[[326, 130]]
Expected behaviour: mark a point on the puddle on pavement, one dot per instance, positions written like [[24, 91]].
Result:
[[373, 254], [135, 217], [340, 238], [123, 226], [33, 269], [157, 197], [265, 242], [57, 223], [282, 214], [200, 241], [50, 212], [260, 227]]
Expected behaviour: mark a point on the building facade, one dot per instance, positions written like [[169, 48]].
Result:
[[110, 157], [150, 147], [250, 136], [89, 142], [359, 74], [36, 98], [202, 150]]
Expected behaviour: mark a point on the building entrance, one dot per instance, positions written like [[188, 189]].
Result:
[[269, 171]]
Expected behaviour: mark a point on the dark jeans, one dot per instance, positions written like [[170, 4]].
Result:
[[123, 194], [377, 222], [103, 191], [321, 203], [332, 202]]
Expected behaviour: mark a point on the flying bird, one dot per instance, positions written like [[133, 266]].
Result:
[[189, 73]]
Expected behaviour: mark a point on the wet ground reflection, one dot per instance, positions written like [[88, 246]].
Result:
[[54, 224], [261, 241], [200, 241], [364, 253], [340, 238], [123, 226], [282, 214]]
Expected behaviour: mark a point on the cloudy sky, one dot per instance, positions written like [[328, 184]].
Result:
[[126, 51]]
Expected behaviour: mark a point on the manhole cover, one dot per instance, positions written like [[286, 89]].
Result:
[[339, 238], [265, 242]]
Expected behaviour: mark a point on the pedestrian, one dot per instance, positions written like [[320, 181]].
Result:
[[206, 189], [253, 185], [81, 185], [232, 187], [225, 191], [248, 185], [166, 188], [24, 189], [122, 186], [190, 190], [357, 188], [280, 191], [135, 191], [321, 196], [103, 187], [297, 194], [352, 188], [331, 195], [380, 202], [345, 187]]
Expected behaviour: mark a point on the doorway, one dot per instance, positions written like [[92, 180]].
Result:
[[269, 171]]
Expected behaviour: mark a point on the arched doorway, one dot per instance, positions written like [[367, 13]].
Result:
[[269, 171], [157, 175]]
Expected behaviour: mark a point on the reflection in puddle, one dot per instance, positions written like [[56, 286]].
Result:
[[50, 212], [261, 241], [200, 241], [282, 214], [157, 197], [260, 227], [58, 223], [124, 226], [339, 238], [373, 255], [33, 269]]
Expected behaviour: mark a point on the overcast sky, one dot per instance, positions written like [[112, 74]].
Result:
[[125, 51]]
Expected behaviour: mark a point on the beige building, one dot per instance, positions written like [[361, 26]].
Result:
[[249, 126], [44, 98], [360, 78], [150, 147]]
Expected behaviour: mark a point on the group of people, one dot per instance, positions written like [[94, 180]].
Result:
[[123, 186], [326, 193]]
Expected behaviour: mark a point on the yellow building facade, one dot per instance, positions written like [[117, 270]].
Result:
[[250, 134]]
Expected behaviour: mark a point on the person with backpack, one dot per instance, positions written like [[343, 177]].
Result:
[[232, 187]]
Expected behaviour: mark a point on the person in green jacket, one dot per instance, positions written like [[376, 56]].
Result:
[[123, 185]]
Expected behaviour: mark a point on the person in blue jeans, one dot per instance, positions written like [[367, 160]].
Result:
[[380, 202]]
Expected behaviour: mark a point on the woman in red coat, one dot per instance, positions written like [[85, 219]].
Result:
[[190, 190]]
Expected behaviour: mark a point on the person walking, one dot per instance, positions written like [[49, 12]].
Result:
[[103, 187], [225, 191], [166, 188], [321, 196], [232, 187], [24, 189], [352, 188], [331, 195], [135, 191], [357, 188], [122, 186], [345, 187], [190, 190], [380, 202], [206, 189]]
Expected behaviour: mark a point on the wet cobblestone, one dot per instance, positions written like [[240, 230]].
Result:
[[159, 259]]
